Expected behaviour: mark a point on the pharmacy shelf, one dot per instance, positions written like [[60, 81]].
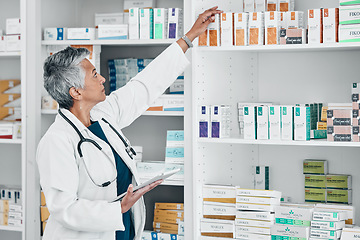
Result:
[[151, 42], [10, 228], [148, 113], [285, 48], [10, 141], [312, 143], [10, 54]]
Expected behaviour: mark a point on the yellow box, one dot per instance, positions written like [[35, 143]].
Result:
[[4, 205], [43, 201], [339, 181], [44, 213], [8, 97], [4, 218], [167, 219], [7, 84], [10, 113], [169, 206], [315, 181], [312, 166], [165, 227], [339, 196], [321, 125], [169, 213], [315, 195]]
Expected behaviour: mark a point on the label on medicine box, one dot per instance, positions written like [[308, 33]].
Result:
[[249, 236], [256, 28], [286, 221], [52, 34], [272, 28], [169, 206], [339, 117], [226, 211], [112, 32], [302, 124], [138, 3], [339, 133], [290, 231], [286, 5], [315, 26], [275, 122], [339, 181], [349, 14], [255, 207], [175, 138], [261, 177], [14, 208], [13, 26], [294, 19], [349, 33], [175, 23], [109, 18], [160, 23], [12, 43], [251, 229], [295, 213], [325, 234], [204, 121], [336, 208], [148, 235], [292, 36], [331, 25], [253, 223], [226, 30], [258, 193], [217, 228], [220, 121], [312, 166], [262, 123], [339, 196], [214, 32], [249, 6], [326, 225], [241, 24], [258, 200], [258, 216], [146, 23], [260, 5], [287, 123], [315, 195], [134, 23], [250, 124], [272, 5], [165, 227], [351, 233], [217, 193], [315, 181], [81, 33], [15, 215]]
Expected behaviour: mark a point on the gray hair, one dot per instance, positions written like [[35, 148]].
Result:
[[63, 71]]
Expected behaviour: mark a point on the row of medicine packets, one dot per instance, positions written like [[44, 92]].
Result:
[[274, 122], [349, 18], [323, 25], [214, 121]]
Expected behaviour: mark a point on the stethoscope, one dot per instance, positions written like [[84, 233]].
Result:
[[128, 148]]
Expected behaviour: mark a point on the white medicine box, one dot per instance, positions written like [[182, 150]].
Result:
[[262, 122], [250, 122]]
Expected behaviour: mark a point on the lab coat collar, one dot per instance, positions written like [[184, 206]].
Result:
[[73, 119]]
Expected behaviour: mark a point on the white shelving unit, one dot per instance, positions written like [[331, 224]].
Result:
[[10, 54], [152, 42]]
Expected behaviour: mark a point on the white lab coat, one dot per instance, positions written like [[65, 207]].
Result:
[[78, 208]]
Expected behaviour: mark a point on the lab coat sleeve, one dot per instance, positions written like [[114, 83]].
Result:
[[129, 102], [59, 179]]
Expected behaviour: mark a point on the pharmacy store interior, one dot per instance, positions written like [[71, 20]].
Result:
[[260, 135]]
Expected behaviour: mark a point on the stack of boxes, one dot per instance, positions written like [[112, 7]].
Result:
[[219, 211], [327, 225], [10, 206], [355, 112], [12, 40], [149, 169], [167, 217], [255, 213], [174, 147], [339, 123], [214, 121], [349, 29], [149, 235], [350, 233]]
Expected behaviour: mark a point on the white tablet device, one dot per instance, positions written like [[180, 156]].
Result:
[[161, 176]]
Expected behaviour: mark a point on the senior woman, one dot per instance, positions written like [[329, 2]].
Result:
[[84, 159]]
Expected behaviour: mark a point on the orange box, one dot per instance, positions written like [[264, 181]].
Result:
[[169, 206], [7, 98], [214, 32], [241, 24], [166, 227], [272, 28], [8, 84], [256, 28], [203, 38], [43, 201], [4, 205], [272, 5], [45, 214], [10, 114]]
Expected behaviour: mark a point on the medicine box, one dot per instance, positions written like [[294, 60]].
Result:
[[225, 211], [255, 207], [109, 19], [13, 26], [250, 122], [351, 233], [168, 216], [315, 195], [258, 200], [294, 213], [257, 216], [272, 28], [349, 2], [339, 181], [220, 121], [138, 3], [112, 32], [169, 206], [294, 19], [349, 14], [249, 6], [226, 30], [272, 5], [350, 219], [356, 134], [251, 229], [283, 231], [292, 36], [175, 138], [160, 23], [315, 26], [134, 23], [257, 193], [313, 166], [51, 34], [339, 196], [256, 28], [250, 236], [302, 124], [203, 39], [287, 123], [173, 102], [286, 5], [274, 122], [339, 133], [2, 44], [262, 122], [329, 216], [146, 23], [261, 177], [214, 32], [326, 225], [204, 121], [339, 117], [253, 223], [318, 134], [325, 234], [218, 193], [181, 229], [217, 228], [12, 43], [174, 155], [349, 33], [175, 23], [331, 25], [315, 181], [260, 5], [4, 205], [165, 227], [81, 33], [241, 24]]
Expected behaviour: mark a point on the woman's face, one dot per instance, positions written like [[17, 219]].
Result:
[[93, 91]]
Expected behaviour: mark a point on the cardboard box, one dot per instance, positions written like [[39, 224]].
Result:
[[302, 124], [315, 195], [339, 181], [52, 34], [273, 5], [272, 28], [134, 23], [314, 166], [112, 32], [258, 193], [226, 30], [257, 216], [225, 211], [250, 125], [356, 117], [241, 24], [175, 23], [167, 219], [218, 193], [13, 26], [81, 33], [339, 133], [286, 5], [339, 196], [256, 28], [322, 125], [287, 123], [249, 229], [214, 32], [204, 39], [12, 43], [204, 121], [261, 177], [331, 25], [275, 122], [292, 36], [217, 228], [290, 231], [315, 181], [294, 19], [146, 23], [165, 227], [220, 121], [45, 214], [160, 23], [138, 3], [318, 134], [4, 218], [249, 6], [315, 26], [169, 206], [349, 14], [326, 225], [262, 123], [4, 205], [10, 114], [349, 33]]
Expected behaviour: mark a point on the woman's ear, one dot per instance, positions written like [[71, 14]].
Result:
[[75, 93]]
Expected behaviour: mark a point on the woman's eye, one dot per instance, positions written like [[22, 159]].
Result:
[[95, 75]]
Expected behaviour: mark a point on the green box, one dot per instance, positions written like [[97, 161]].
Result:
[[318, 134], [315, 195], [338, 181], [339, 196], [312, 166], [349, 2], [315, 181], [287, 221]]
